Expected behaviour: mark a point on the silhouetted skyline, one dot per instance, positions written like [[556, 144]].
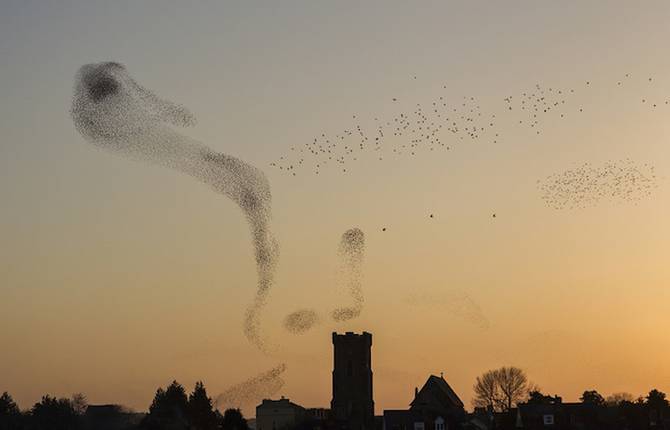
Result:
[[504, 399], [503, 202]]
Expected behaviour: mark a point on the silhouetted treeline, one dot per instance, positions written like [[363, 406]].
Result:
[[49, 413], [593, 412], [171, 409]]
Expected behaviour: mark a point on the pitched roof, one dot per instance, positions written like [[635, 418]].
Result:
[[440, 389]]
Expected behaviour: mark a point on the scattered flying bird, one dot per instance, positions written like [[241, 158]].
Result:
[[440, 123]]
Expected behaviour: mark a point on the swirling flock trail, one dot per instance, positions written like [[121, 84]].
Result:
[[115, 113]]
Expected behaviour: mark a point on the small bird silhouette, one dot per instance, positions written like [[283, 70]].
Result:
[[436, 124]]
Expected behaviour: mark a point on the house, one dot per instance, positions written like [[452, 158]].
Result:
[[279, 414], [558, 415], [435, 407]]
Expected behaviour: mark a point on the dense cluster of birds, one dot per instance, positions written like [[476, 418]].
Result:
[[351, 251], [300, 321], [587, 184], [112, 111], [247, 393]]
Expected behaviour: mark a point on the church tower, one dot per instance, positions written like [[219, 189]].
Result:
[[352, 403]]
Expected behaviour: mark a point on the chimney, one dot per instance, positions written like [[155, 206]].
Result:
[[416, 392]]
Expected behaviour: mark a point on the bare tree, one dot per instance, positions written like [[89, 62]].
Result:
[[513, 385], [501, 389], [487, 393]]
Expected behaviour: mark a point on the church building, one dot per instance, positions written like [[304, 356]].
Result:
[[435, 407]]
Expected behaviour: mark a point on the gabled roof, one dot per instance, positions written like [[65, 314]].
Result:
[[437, 388]]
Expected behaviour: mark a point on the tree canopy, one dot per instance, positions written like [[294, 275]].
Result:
[[168, 409], [234, 420], [10, 415], [54, 414], [172, 409], [8, 406], [501, 389], [535, 397], [656, 399], [592, 397], [201, 415]]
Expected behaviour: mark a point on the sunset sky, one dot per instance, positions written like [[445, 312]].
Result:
[[117, 277]]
